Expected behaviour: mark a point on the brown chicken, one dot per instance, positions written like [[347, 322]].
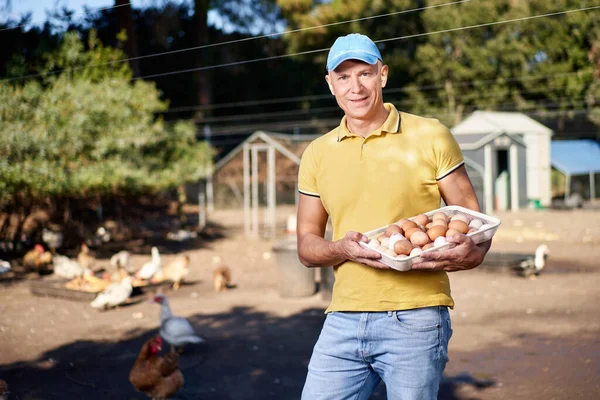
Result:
[[222, 278], [84, 258], [37, 259], [157, 377]]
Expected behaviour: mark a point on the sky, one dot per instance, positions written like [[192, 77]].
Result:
[[39, 8]]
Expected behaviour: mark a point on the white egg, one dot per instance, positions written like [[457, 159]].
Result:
[[485, 226], [415, 252], [394, 238], [476, 224], [439, 241], [374, 243], [385, 242]]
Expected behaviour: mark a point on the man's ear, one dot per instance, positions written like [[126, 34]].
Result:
[[328, 79], [384, 75]]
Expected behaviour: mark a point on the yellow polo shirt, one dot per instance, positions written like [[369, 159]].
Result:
[[366, 183]]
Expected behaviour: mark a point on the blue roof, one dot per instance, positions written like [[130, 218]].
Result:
[[575, 157]]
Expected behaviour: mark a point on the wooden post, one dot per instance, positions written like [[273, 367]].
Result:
[[592, 186], [567, 186], [210, 201], [514, 177], [246, 151], [271, 201], [488, 180], [255, 204]]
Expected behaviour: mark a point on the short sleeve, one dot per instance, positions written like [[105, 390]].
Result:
[[448, 156], [307, 182]]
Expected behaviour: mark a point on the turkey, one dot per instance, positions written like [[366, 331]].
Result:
[[176, 330], [532, 266]]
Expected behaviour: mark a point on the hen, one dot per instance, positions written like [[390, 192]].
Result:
[[150, 268], [176, 330], [175, 271], [157, 377], [221, 278], [37, 259], [114, 294]]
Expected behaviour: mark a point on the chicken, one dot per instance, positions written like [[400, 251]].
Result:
[[221, 278], [68, 268], [4, 267], [114, 294], [157, 377], [4, 392], [176, 330], [533, 266], [37, 259], [150, 268], [175, 271], [121, 260], [84, 258], [53, 239]]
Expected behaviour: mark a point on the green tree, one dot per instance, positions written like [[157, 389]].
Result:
[[532, 64], [89, 132]]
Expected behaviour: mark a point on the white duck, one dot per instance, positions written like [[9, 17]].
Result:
[[534, 265], [150, 268], [114, 294], [120, 260], [176, 330]]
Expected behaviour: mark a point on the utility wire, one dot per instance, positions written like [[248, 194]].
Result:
[[280, 100], [235, 41], [376, 41], [96, 10]]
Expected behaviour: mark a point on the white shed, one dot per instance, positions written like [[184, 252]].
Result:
[[514, 151]]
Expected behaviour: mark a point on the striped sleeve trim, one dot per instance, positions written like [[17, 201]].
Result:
[[451, 170], [309, 193]]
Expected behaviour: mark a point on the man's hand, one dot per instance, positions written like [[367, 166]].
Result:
[[349, 249], [464, 256]]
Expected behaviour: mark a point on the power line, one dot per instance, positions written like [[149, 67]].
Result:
[[96, 10], [385, 91], [376, 41], [236, 41]]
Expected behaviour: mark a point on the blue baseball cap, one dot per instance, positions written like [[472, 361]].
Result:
[[352, 47]]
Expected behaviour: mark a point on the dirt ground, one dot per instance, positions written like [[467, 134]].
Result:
[[514, 338]]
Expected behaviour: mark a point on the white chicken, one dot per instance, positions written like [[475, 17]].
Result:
[[114, 294], [176, 330], [533, 266], [120, 260], [150, 268], [53, 239], [68, 268]]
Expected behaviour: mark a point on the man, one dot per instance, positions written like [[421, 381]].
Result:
[[378, 166]]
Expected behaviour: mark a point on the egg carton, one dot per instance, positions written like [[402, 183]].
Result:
[[404, 263]]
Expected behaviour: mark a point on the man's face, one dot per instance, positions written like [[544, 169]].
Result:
[[357, 87]]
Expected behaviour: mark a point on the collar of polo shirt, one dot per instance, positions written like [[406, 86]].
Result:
[[391, 124]]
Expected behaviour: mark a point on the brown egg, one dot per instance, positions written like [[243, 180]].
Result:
[[419, 238], [436, 231], [451, 232], [403, 247], [440, 215], [459, 225], [440, 222], [408, 233], [460, 217], [391, 229], [401, 222], [408, 225], [427, 246], [429, 225], [380, 237], [421, 219]]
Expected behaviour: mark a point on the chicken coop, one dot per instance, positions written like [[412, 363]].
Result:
[[258, 175], [511, 152]]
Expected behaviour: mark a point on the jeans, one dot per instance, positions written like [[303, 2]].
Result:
[[407, 349]]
